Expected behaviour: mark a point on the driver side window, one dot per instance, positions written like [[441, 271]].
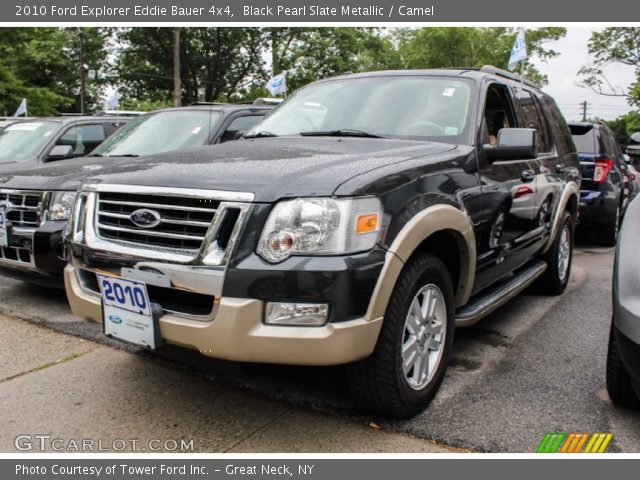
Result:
[[498, 113]]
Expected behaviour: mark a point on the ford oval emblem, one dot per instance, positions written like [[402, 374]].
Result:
[[115, 319], [145, 218]]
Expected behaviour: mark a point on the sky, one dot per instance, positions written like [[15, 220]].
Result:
[[563, 80]]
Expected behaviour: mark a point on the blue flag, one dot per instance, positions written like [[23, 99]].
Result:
[[22, 109], [519, 50], [278, 84]]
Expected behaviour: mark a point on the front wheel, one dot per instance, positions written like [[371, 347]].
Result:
[[559, 259], [406, 369], [619, 383]]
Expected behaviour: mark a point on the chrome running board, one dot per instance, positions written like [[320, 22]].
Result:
[[486, 303]]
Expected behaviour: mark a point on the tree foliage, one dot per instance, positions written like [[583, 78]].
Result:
[[42, 65], [613, 45], [442, 47]]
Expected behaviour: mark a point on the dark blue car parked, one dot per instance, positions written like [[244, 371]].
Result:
[[603, 192]]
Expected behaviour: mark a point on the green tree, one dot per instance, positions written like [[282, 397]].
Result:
[[42, 64], [613, 45], [215, 62], [308, 54], [446, 47]]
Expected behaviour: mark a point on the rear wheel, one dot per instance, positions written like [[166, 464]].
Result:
[[406, 369], [619, 382], [559, 259], [607, 234]]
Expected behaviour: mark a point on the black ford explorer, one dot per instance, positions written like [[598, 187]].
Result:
[[360, 223], [36, 203]]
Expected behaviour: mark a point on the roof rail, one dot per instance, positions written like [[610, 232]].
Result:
[[267, 101], [195, 104], [503, 73]]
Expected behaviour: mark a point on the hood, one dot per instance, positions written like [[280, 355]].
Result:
[[271, 168], [62, 175], [8, 165]]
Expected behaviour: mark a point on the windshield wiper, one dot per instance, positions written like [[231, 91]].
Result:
[[128, 155], [342, 132], [95, 155], [263, 133]]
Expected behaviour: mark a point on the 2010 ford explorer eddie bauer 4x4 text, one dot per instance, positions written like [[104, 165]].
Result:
[[358, 223]]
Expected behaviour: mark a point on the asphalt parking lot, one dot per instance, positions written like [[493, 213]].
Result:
[[535, 366]]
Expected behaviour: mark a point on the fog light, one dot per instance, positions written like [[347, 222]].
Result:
[[302, 314]]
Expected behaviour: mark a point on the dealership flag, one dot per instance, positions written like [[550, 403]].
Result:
[[519, 51], [113, 102], [278, 84], [22, 108]]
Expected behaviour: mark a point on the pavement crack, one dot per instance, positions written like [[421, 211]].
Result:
[[65, 359], [259, 429]]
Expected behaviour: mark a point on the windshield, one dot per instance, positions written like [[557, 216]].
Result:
[[21, 141], [160, 132], [414, 107]]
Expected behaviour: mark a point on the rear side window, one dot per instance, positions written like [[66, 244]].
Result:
[[584, 137], [83, 138], [533, 118]]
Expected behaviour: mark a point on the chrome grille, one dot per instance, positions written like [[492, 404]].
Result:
[[25, 209], [183, 225]]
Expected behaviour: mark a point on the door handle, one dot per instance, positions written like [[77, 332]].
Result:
[[528, 176]]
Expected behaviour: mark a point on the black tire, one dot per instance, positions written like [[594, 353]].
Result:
[[379, 382], [607, 234], [552, 282], [619, 382]]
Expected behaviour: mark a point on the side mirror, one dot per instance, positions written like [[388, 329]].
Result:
[[60, 152], [513, 144]]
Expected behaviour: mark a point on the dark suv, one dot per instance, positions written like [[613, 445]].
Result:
[[32, 143], [360, 223], [604, 192], [37, 202]]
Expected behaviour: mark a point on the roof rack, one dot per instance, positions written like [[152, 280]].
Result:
[[505, 74], [267, 101], [195, 104]]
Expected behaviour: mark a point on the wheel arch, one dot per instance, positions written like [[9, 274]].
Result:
[[568, 202], [443, 231]]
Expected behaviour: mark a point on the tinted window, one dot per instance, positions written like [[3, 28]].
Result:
[[21, 141], [420, 107], [83, 138], [237, 125], [161, 132], [533, 119], [498, 113], [584, 137]]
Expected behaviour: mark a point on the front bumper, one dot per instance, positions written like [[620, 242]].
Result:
[[36, 255], [238, 333]]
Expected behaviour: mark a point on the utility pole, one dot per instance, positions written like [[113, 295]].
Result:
[[177, 84], [584, 110], [81, 68]]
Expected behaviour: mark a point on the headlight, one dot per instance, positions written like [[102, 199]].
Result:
[[61, 206], [320, 226]]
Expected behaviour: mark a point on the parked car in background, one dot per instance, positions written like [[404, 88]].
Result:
[[359, 223], [604, 193], [37, 202], [32, 143], [623, 357]]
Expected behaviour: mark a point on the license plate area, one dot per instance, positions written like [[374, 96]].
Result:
[[4, 230], [127, 311]]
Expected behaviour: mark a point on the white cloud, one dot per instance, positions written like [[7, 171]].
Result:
[[563, 79]]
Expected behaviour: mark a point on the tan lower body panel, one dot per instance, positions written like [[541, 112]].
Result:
[[238, 334]]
